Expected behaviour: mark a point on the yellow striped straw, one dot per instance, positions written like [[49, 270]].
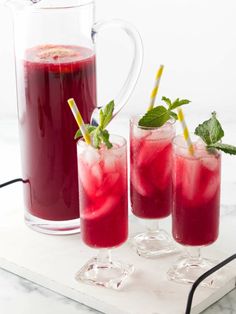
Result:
[[156, 87], [79, 120], [185, 131]]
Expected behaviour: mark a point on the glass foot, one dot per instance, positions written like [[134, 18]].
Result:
[[107, 274], [151, 244], [52, 227], [188, 270]]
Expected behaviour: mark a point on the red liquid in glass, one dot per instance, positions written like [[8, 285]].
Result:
[[151, 165], [52, 74], [196, 199], [103, 198]]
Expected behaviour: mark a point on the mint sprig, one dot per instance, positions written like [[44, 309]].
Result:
[[99, 134], [211, 132], [159, 115], [226, 148], [155, 117], [90, 129]]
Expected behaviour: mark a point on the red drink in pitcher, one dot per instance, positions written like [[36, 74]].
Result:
[[52, 74], [196, 194], [55, 58], [103, 194]]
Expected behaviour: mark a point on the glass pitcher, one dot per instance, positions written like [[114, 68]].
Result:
[[56, 60]]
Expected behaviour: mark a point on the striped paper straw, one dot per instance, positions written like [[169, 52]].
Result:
[[156, 87], [185, 131], [79, 120]]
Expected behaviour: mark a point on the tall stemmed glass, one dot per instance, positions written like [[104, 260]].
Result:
[[151, 184], [104, 210], [195, 217]]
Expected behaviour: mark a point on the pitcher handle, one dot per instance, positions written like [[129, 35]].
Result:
[[135, 69]]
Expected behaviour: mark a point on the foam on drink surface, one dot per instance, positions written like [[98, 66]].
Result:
[[53, 54]]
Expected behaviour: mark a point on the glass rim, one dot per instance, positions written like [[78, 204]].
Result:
[[186, 147], [120, 137], [192, 135], [171, 121], [76, 4]]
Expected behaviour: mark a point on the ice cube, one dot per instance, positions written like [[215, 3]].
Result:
[[191, 178], [148, 151], [101, 208], [81, 147], [177, 171], [118, 151], [180, 146], [164, 132], [91, 155], [89, 170], [108, 184], [109, 161], [86, 179], [162, 179], [211, 188], [97, 175], [144, 155], [211, 163], [200, 144], [139, 133], [142, 186]]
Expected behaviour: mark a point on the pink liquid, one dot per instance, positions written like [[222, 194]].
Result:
[[196, 199], [52, 74], [103, 197], [151, 162]]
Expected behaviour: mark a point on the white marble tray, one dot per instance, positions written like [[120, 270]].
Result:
[[52, 261]]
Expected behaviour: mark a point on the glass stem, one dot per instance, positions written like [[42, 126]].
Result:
[[104, 256], [194, 253], [152, 225]]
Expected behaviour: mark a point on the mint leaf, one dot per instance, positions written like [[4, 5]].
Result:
[[155, 117], [105, 137], [97, 137], [167, 101], [99, 134], [89, 127], [174, 115], [229, 149], [179, 102], [210, 130], [107, 114], [101, 118]]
